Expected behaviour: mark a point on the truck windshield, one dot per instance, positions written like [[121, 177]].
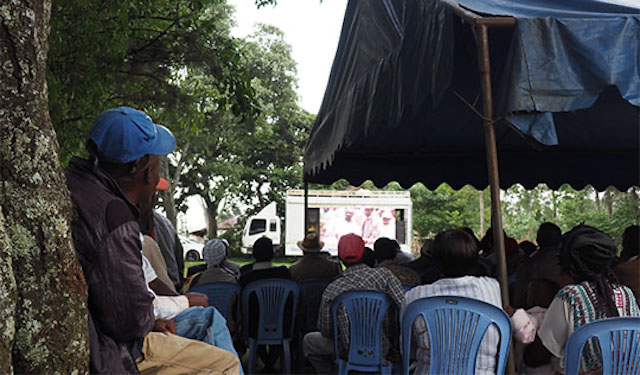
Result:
[[257, 226]]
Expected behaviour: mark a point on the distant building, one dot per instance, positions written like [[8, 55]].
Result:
[[229, 223]]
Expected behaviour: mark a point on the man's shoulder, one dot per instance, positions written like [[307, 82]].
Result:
[[117, 213], [337, 285], [161, 219], [318, 261], [297, 264], [379, 271]]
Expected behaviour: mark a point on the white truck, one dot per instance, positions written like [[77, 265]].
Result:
[[332, 214]]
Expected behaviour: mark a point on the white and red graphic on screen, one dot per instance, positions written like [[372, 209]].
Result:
[[369, 223]]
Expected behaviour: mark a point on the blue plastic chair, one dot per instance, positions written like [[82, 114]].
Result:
[[272, 297], [619, 340], [456, 326], [366, 310], [220, 296], [407, 287], [310, 296], [311, 293]]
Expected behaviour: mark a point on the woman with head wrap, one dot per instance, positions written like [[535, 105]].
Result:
[[587, 255], [214, 254]]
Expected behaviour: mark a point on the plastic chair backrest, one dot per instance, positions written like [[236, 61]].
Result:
[[407, 287], [619, 340], [456, 326], [272, 297], [366, 310], [311, 293], [220, 295]]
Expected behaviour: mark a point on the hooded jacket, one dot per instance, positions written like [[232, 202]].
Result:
[[108, 245]]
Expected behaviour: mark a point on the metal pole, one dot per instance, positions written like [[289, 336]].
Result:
[[477, 19], [306, 208], [484, 68]]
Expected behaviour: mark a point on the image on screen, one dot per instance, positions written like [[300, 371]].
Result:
[[369, 223]]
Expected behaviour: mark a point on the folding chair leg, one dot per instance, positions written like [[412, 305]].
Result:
[[253, 356], [286, 357]]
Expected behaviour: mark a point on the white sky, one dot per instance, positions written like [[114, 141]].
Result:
[[312, 29]]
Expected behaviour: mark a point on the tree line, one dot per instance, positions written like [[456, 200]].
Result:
[[522, 210]]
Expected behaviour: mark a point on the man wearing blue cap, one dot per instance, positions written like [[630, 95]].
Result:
[[107, 191]]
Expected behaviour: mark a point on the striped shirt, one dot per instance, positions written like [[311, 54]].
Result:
[[485, 289]]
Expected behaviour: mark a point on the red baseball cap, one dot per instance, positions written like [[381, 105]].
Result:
[[162, 184], [350, 248]]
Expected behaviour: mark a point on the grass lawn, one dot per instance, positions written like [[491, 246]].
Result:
[[284, 261]]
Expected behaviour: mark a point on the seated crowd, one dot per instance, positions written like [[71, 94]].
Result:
[[138, 322]]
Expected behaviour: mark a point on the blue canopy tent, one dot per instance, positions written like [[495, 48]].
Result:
[[437, 91]]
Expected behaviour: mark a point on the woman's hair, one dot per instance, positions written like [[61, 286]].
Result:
[[587, 255], [456, 252]]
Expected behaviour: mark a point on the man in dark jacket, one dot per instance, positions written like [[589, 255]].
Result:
[[169, 243], [107, 191], [543, 263], [314, 265]]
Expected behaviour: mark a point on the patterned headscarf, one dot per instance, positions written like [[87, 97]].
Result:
[[588, 253], [214, 252]]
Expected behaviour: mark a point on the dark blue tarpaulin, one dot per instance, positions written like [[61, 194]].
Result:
[[566, 86]]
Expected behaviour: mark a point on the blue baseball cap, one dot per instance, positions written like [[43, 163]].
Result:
[[124, 134]]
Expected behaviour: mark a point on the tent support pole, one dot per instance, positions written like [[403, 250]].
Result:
[[306, 207], [484, 68]]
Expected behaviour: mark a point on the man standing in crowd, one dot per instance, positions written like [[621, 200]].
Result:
[[313, 265], [370, 230], [628, 272], [386, 251], [318, 346], [169, 243], [542, 263], [108, 191]]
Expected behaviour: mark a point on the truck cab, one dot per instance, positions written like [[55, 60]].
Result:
[[265, 223]]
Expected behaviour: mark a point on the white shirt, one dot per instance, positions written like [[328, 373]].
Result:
[[485, 289], [164, 307]]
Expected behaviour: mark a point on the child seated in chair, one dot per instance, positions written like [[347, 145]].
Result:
[[540, 293]]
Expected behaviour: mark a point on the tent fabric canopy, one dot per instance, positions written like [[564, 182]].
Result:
[[402, 100]]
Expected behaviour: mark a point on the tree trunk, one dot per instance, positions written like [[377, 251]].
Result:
[[43, 319], [481, 202], [168, 202], [636, 208], [212, 217], [609, 197]]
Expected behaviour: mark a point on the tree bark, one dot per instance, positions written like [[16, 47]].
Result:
[[43, 320], [481, 203], [168, 202], [212, 217], [636, 208], [554, 203]]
